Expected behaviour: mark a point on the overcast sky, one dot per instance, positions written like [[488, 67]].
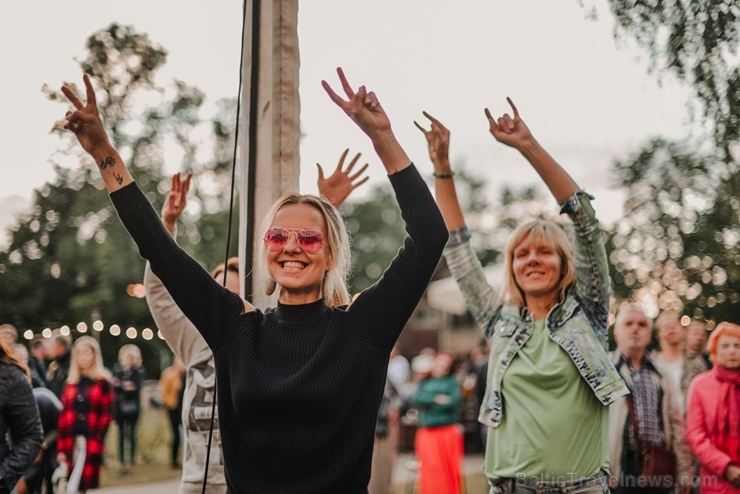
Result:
[[587, 100]]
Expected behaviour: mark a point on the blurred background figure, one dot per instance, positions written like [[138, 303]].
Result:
[[713, 414], [21, 352], [670, 337], [8, 334], [387, 429], [86, 414], [439, 440], [696, 340], [171, 387], [19, 420], [60, 354], [38, 356], [652, 404], [127, 380], [37, 479]]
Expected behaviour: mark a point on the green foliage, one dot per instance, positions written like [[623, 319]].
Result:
[[696, 40], [678, 245], [70, 259]]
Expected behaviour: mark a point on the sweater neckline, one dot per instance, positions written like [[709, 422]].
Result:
[[301, 313]]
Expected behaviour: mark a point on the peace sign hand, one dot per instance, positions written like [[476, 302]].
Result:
[[85, 122], [176, 200], [362, 107], [340, 184]]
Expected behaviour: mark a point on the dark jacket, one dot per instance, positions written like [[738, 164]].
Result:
[[56, 375], [19, 423]]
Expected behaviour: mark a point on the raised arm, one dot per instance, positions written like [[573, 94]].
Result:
[[340, 184], [515, 133], [462, 260], [438, 140], [382, 310], [365, 110], [208, 305]]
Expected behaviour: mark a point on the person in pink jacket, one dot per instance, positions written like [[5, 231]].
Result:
[[713, 414]]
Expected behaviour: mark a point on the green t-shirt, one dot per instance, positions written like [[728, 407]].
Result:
[[553, 428]]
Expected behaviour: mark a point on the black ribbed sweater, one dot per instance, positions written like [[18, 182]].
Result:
[[299, 385]]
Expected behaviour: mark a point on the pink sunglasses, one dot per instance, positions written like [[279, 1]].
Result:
[[310, 241]]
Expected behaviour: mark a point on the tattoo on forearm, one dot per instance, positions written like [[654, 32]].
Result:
[[109, 161], [118, 178]]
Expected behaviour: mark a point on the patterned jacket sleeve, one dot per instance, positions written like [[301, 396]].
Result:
[[480, 298], [593, 285], [24, 425]]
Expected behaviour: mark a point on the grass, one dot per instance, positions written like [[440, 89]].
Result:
[[154, 438]]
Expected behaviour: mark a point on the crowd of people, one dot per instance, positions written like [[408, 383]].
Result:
[[307, 396]]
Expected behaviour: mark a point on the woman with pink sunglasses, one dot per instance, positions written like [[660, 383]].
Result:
[[300, 384]]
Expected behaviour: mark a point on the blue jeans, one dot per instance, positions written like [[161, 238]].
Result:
[[597, 484]]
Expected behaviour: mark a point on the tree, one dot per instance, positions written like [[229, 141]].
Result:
[[697, 41], [676, 247], [70, 259]]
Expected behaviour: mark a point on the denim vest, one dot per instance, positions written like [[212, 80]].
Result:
[[578, 324]]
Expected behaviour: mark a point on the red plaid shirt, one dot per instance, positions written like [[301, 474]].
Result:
[[100, 397]]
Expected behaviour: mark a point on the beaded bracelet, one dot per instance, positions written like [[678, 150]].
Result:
[[443, 175]]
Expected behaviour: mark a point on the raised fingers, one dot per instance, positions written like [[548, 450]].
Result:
[[89, 91], [332, 95], [513, 107], [352, 163], [341, 159], [345, 85], [357, 175], [422, 129], [72, 97], [434, 120]]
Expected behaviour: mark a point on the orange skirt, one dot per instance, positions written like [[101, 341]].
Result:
[[439, 451]]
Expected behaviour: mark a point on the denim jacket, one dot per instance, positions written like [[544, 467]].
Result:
[[578, 323]]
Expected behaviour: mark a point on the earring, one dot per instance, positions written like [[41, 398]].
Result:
[[270, 287]]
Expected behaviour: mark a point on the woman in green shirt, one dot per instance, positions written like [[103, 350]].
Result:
[[439, 439], [549, 379]]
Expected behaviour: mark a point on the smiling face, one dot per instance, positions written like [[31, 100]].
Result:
[[728, 352], [299, 273], [537, 267]]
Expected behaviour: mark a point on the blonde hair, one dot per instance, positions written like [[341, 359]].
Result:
[[8, 357], [231, 265], [538, 231], [96, 370], [9, 329], [126, 350], [334, 287]]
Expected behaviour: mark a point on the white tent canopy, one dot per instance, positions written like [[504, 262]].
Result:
[[444, 294]]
